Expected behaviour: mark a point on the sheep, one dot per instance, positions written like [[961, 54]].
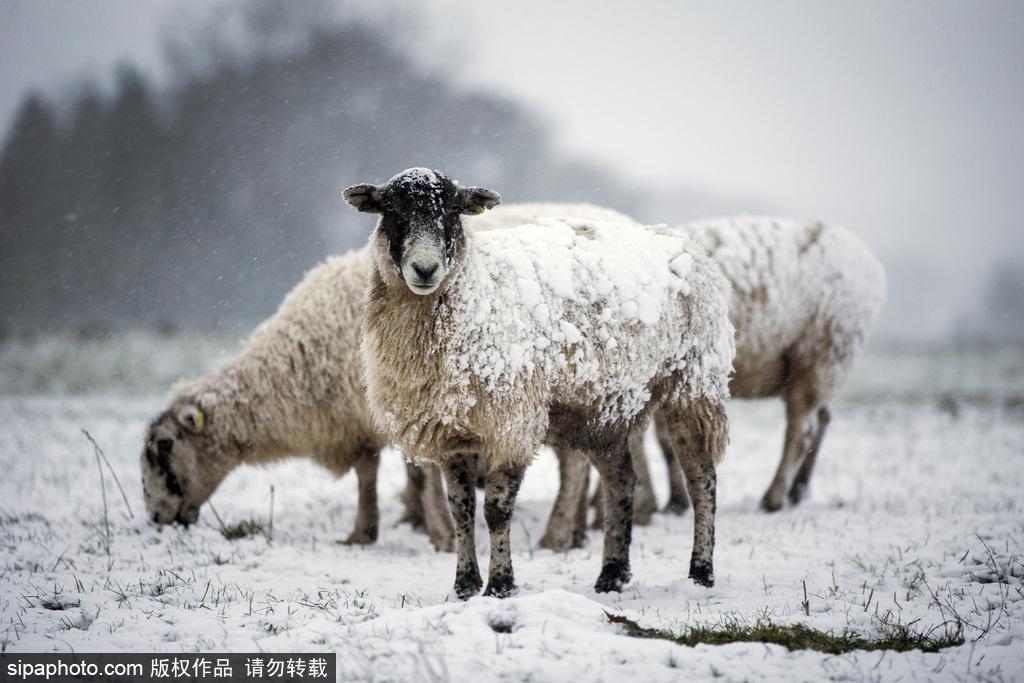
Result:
[[805, 295], [294, 389], [316, 324], [565, 331]]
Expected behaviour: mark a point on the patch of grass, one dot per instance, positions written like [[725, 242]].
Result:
[[246, 528], [243, 529], [57, 604], [896, 637]]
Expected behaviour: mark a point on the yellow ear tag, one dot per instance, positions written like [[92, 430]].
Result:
[[476, 208], [200, 420]]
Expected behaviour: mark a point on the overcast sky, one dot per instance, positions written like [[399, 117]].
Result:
[[903, 120]]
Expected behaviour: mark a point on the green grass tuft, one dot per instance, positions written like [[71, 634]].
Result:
[[896, 637]]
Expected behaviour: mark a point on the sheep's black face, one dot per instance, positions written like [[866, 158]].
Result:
[[176, 480], [421, 221]]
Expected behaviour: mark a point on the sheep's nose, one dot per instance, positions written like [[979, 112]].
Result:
[[425, 272]]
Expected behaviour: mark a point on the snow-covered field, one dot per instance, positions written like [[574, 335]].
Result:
[[916, 516]]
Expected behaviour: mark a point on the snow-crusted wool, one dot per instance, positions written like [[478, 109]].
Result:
[[565, 330], [561, 311], [801, 289], [524, 213], [805, 296]]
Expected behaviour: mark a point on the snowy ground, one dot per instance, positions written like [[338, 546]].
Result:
[[916, 516]]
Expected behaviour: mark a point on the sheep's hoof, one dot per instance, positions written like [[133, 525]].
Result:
[[677, 507], [642, 515], [797, 493], [467, 584], [558, 538], [361, 537], [443, 544], [702, 573], [501, 586], [614, 576], [642, 518], [771, 503], [413, 519]]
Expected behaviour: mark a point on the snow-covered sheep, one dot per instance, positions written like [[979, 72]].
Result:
[[564, 331], [805, 295], [295, 389]]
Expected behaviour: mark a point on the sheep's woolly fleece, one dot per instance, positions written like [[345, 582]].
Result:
[[588, 310], [513, 215], [296, 385], [798, 284]]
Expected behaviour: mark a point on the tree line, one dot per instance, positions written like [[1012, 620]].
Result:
[[206, 199]]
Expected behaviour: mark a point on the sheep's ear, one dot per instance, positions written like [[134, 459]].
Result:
[[478, 199], [365, 198], [192, 418]]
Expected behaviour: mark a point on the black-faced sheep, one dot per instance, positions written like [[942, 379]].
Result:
[[317, 323], [566, 332], [295, 389], [805, 296]]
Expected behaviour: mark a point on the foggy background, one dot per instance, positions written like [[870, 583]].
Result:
[[181, 162]]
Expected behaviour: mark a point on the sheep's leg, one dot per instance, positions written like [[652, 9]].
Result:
[[580, 524], [699, 433], [645, 504], [460, 478], [566, 528], [481, 472], [597, 502], [678, 499], [367, 511], [798, 491], [412, 496], [801, 416], [436, 518], [500, 493], [616, 471]]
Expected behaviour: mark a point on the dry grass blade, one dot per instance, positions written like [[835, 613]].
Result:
[[100, 454], [103, 493], [223, 527]]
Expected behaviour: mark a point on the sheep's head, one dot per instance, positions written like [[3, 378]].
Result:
[[181, 467], [420, 224]]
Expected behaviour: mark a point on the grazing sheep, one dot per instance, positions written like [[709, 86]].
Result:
[[565, 331], [294, 389], [805, 295]]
